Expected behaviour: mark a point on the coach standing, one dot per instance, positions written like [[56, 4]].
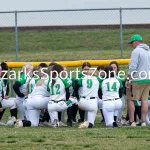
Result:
[[138, 77]]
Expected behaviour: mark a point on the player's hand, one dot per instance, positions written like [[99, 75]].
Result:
[[127, 84], [6, 97], [1, 109]]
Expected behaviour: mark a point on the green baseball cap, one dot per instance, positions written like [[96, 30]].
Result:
[[135, 37]]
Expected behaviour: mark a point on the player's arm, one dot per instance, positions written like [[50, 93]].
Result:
[[28, 86], [17, 86], [67, 85], [7, 87], [100, 93], [77, 85], [120, 89], [67, 93]]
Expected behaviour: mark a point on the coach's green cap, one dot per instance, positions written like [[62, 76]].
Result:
[[135, 37]]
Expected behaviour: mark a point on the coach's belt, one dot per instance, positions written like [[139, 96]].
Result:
[[88, 97], [111, 99], [57, 101]]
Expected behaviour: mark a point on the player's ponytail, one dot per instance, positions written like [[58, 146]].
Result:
[[109, 72], [56, 68]]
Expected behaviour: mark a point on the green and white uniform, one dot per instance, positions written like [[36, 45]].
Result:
[[88, 93], [57, 101], [111, 101], [37, 100], [10, 102]]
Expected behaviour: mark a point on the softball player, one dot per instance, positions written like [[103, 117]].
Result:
[[20, 87], [30, 86], [38, 100], [88, 92], [111, 90], [59, 93], [5, 100], [85, 67], [116, 68]]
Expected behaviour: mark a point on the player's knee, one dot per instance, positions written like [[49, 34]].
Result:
[[13, 106]]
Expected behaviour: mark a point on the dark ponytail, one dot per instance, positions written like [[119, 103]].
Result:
[[109, 72], [56, 68]]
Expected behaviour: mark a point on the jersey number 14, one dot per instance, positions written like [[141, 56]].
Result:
[[111, 88]]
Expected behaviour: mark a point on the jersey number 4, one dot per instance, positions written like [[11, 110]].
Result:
[[111, 88]]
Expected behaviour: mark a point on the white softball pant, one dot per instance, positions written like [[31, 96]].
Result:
[[20, 108], [55, 107], [110, 109], [9, 103], [91, 106], [33, 105]]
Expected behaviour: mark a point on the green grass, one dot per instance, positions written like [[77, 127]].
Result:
[[64, 138], [68, 44], [72, 138], [71, 45]]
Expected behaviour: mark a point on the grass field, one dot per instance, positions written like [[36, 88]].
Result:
[[72, 138], [71, 45], [68, 44]]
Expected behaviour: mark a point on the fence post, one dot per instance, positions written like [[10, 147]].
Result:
[[11, 85], [121, 39], [16, 35]]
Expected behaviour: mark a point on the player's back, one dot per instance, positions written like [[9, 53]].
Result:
[[58, 90], [41, 90], [90, 86], [110, 88]]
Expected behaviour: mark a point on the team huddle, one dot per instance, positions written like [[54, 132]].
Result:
[[42, 98]]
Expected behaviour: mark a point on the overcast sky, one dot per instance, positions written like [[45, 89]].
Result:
[[11, 5]]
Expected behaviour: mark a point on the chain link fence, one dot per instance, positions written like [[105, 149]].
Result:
[[71, 34]]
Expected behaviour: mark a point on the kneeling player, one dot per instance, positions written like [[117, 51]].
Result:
[[87, 87], [37, 100], [5, 100], [60, 98], [111, 91]]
